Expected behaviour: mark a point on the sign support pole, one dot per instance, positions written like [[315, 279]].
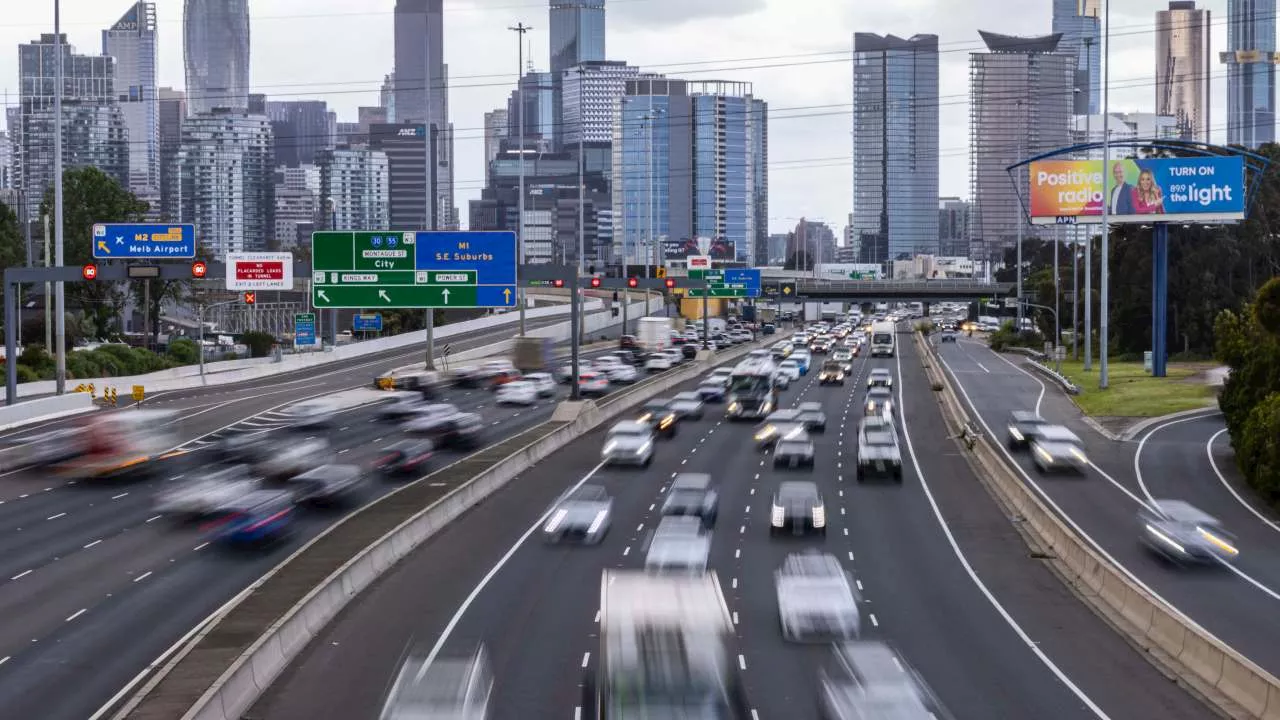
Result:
[[1159, 298], [706, 325], [59, 302], [1105, 280], [575, 338], [10, 344]]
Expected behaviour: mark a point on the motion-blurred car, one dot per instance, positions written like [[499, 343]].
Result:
[[692, 494], [878, 403], [795, 450], [241, 448], [868, 679], [832, 373], [789, 369], [880, 377], [687, 406], [722, 374], [803, 360], [1057, 449], [878, 451], [783, 424], [798, 507], [812, 416], [658, 415], [461, 430], [845, 358], [564, 373], [1024, 426], [679, 544], [206, 495], [330, 484], [543, 383], [948, 335], [401, 408], [48, 448], [312, 414], [445, 689], [628, 443], [782, 349], [288, 456], [1183, 533], [622, 374], [593, 383], [518, 392], [817, 601], [404, 458], [259, 517], [580, 515], [658, 362], [712, 391]]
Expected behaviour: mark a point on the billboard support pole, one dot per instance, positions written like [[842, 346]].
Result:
[[1159, 298], [1105, 280]]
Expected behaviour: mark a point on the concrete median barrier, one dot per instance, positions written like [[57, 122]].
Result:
[[1238, 687], [222, 671], [41, 409]]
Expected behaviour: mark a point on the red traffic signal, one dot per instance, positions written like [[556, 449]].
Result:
[[198, 269], [250, 298], [89, 272], [595, 282], [558, 283], [632, 282], [671, 283]]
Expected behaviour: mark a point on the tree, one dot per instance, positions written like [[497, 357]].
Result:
[[13, 251], [91, 196], [163, 292]]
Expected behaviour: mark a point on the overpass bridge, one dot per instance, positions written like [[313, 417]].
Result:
[[926, 291]]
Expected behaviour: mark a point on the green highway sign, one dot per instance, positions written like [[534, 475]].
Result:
[[719, 292], [416, 269], [734, 283]]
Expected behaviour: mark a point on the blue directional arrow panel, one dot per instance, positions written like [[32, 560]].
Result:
[[143, 241], [492, 255], [750, 277]]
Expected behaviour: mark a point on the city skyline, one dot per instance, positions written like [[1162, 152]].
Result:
[[809, 149]]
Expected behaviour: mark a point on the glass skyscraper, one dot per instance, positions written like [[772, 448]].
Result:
[[1077, 21], [696, 149], [895, 146], [1251, 72], [216, 53], [577, 33], [1182, 67], [132, 42]]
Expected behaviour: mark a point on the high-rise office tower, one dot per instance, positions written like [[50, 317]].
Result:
[[216, 54], [302, 129], [895, 146], [131, 41], [577, 33], [1019, 105], [421, 90], [695, 149], [1251, 72], [222, 181], [355, 188], [537, 89], [172, 111], [590, 92], [1182, 67], [93, 127], [1077, 21], [495, 133]]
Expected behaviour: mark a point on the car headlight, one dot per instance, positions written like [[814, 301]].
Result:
[[1079, 455], [777, 517], [597, 522], [1168, 541], [1218, 542], [554, 523], [610, 446], [819, 516], [734, 407], [1044, 455], [765, 434], [644, 448], [1015, 434]]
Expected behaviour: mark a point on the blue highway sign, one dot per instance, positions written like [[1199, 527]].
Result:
[[492, 255], [747, 277], [143, 241], [367, 322], [304, 329]]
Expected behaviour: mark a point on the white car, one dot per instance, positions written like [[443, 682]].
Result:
[[676, 355], [622, 374], [318, 413], [207, 495], [517, 392], [789, 369], [593, 383], [721, 374], [543, 382], [607, 362], [293, 456], [657, 362]]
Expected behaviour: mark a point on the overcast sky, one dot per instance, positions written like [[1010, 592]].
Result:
[[794, 51]]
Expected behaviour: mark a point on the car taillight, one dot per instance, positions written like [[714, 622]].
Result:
[[416, 461], [227, 519], [269, 519], [388, 459]]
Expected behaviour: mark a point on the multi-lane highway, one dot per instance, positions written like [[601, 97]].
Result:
[[94, 584], [944, 576], [1173, 460]]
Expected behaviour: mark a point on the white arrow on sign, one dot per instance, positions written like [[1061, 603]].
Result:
[[383, 294], [445, 293], [322, 295], [119, 239]]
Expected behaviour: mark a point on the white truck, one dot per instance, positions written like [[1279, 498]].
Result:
[[883, 339], [654, 334], [666, 641]]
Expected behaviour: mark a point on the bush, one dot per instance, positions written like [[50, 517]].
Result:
[[1006, 337], [26, 374], [924, 327], [183, 351], [1258, 448], [259, 343], [37, 358], [81, 366]]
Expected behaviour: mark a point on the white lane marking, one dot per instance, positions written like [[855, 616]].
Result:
[[735, 617], [874, 621], [754, 715], [201, 546], [597, 616], [493, 571], [964, 561], [626, 551], [5, 659], [157, 517], [1208, 448], [344, 450], [742, 662], [850, 556], [117, 497], [858, 583], [586, 659], [985, 370], [21, 575], [577, 712], [55, 517], [748, 508], [76, 614], [1013, 365], [95, 542], [737, 553], [639, 527], [734, 584], [652, 506], [143, 576]]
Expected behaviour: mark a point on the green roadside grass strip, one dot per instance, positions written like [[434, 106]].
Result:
[[1134, 393]]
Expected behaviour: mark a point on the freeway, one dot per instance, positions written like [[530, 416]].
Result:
[[94, 585], [944, 576], [1235, 603]]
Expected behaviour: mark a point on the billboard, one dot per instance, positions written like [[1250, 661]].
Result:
[[718, 249], [1138, 190]]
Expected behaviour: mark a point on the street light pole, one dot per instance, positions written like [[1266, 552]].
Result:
[[648, 151], [520, 29], [1106, 233], [59, 301]]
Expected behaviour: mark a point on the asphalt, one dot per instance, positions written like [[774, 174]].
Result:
[[1235, 604], [534, 606], [94, 584]]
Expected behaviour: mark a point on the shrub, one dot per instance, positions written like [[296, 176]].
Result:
[[26, 374], [259, 343], [82, 366], [1258, 448], [183, 351]]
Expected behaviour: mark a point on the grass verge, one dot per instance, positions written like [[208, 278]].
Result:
[[1134, 393]]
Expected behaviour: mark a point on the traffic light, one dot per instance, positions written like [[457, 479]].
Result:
[[250, 298], [595, 282], [558, 283], [671, 283], [615, 296], [632, 282]]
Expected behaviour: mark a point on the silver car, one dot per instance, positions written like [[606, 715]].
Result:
[[817, 599], [866, 680], [687, 405], [878, 451], [880, 377], [445, 689], [679, 545], [583, 515], [330, 484], [207, 495], [1057, 449], [628, 443], [1183, 533], [878, 403]]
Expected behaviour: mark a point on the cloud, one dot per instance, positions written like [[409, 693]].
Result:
[[665, 13]]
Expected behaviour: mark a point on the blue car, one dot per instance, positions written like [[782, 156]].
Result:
[[259, 517], [803, 360]]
